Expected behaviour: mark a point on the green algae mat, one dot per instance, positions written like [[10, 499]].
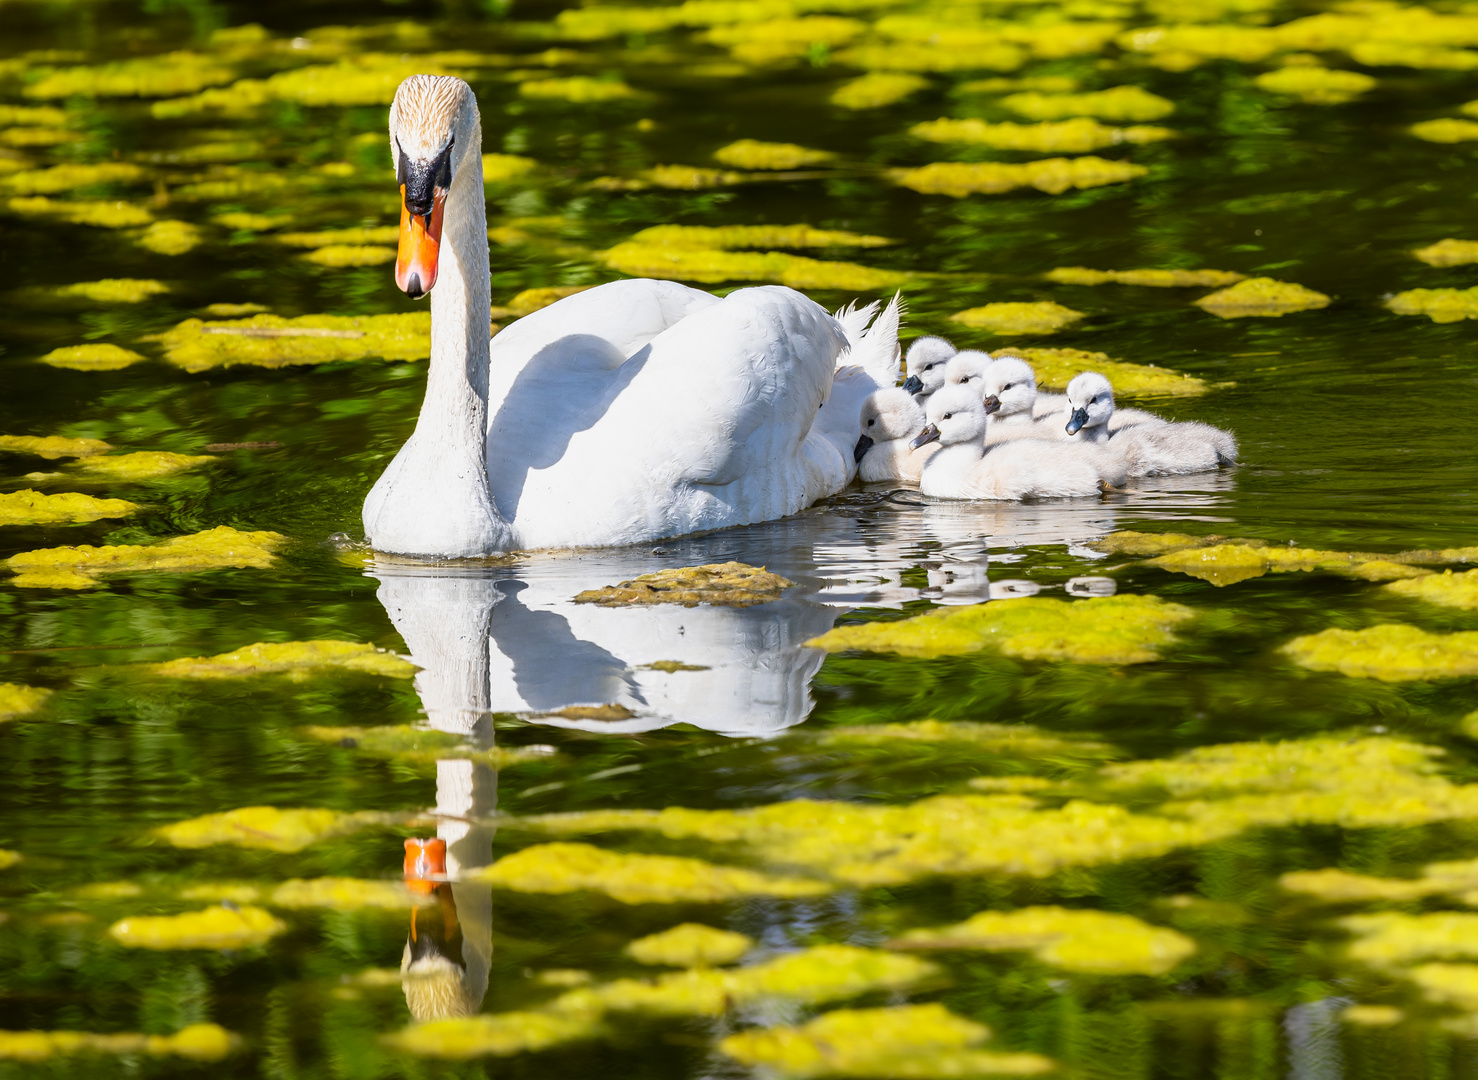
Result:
[[1177, 782]]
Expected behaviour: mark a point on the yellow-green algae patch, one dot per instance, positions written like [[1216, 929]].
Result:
[[102, 214], [1393, 652], [272, 341], [492, 1034], [1449, 252], [422, 745], [1372, 1016], [345, 894], [1341, 886], [198, 1042], [1447, 588], [1091, 942], [1055, 368], [107, 291], [877, 89], [212, 928], [1015, 740], [797, 271], [96, 357], [1052, 175], [636, 879], [28, 507], [1449, 984], [497, 168], [340, 255], [1116, 103], [140, 465], [170, 237], [1228, 563], [1129, 542], [1264, 297], [731, 237], [1439, 305], [1077, 136], [1100, 630], [61, 178], [753, 154], [690, 945], [19, 700], [920, 1042], [1391, 940], [1160, 279], [79, 567], [364, 234], [231, 311], [52, 447], [732, 584], [784, 39], [9, 858], [1316, 85], [1446, 130], [1043, 317], [267, 827], [578, 89], [39, 115], [298, 660], [153, 76]]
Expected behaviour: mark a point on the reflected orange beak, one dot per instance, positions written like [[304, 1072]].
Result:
[[425, 864], [420, 247]]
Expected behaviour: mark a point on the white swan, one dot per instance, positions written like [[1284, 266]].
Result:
[[1024, 468], [1154, 449], [889, 420], [634, 411], [925, 362]]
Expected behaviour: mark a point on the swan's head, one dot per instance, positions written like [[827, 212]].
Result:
[[968, 368], [434, 125], [1090, 402], [925, 362], [955, 416], [887, 414], [1011, 382]]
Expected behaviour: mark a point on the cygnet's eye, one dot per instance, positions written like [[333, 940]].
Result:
[[870, 423], [964, 379], [1008, 386], [948, 415], [928, 367]]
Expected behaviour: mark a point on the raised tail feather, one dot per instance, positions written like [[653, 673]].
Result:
[[873, 347]]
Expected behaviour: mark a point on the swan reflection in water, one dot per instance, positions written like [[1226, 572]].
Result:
[[509, 638]]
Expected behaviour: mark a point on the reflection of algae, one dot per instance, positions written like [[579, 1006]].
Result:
[[730, 237], [265, 827], [107, 291], [1449, 252], [18, 700], [1439, 305], [153, 76], [1116, 103], [732, 584], [753, 154], [690, 945], [141, 465], [170, 237], [1452, 590], [495, 1034], [1393, 652], [298, 660], [345, 894], [578, 89], [1043, 317], [60, 178], [1092, 942], [797, 271], [1263, 297], [877, 89], [1052, 175], [636, 879], [96, 357], [1055, 368], [28, 507], [1160, 279], [103, 214], [198, 1042], [909, 1042], [1077, 136], [272, 341], [1101, 630], [212, 928], [341, 255], [1228, 563], [1015, 740], [422, 745], [78, 567], [1316, 85]]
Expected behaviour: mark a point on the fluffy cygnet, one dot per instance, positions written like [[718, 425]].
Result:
[[890, 419], [925, 364], [1160, 448], [1023, 468]]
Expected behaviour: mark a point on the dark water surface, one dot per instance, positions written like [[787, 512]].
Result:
[[1356, 428]]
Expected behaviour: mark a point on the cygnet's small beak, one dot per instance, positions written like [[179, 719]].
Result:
[[914, 385], [1076, 421], [992, 403], [420, 245], [925, 437], [864, 444]]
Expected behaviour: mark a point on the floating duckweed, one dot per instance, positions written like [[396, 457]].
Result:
[[143, 465], [1159, 279], [1052, 175], [200, 1042], [580, 89], [209, 153], [753, 154], [237, 892], [1393, 652], [730, 237], [1055, 368], [233, 183], [264, 827], [925, 56], [1229, 563], [1316, 85], [109, 890], [153, 76], [40, 115], [52, 447], [1076, 136], [351, 255], [877, 89], [170, 237], [298, 660], [1017, 740], [107, 291], [1439, 305], [345, 894], [779, 38], [420, 745], [1263, 297], [1129, 542], [96, 357], [253, 222], [28, 507], [1186, 45], [1044, 317], [691, 177], [60, 178], [1392, 940], [1449, 984], [497, 168], [1446, 130], [272, 341], [1340, 886], [1452, 590], [636, 879], [211, 928], [371, 234], [732, 584], [1092, 942], [18, 700], [1449, 252], [797, 271], [1101, 630], [495, 1034], [691, 945], [105, 215], [230, 311], [24, 137], [362, 79], [916, 1041], [78, 567], [1372, 1015]]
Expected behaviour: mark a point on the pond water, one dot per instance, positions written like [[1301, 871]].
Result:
[[1283, 837]]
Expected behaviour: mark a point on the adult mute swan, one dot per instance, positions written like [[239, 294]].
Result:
[[631, 412], [1161, 448]]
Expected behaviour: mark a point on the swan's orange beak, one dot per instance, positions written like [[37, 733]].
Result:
[[420, 246], [425, 864]]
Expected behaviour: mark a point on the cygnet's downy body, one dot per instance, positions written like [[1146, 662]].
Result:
[[890, 420], [1019, 469], [1160, 448], [925, 363]]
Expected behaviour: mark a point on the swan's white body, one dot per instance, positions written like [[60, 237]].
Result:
[[1160, 448], [891, 418], [631, 412]]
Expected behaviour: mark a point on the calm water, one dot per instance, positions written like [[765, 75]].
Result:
[[1355, 425]]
